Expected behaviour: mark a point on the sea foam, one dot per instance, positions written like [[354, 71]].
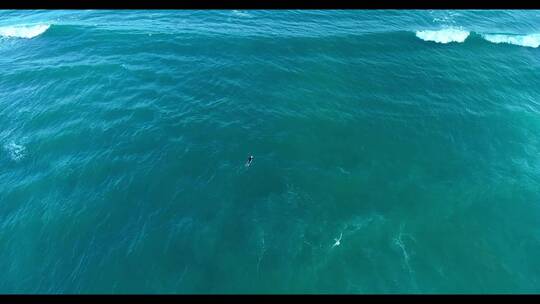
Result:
[[16, 152]]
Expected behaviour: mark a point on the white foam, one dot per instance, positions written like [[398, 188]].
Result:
[[532, 40], [444, 35], [23, 31], [16, 152]]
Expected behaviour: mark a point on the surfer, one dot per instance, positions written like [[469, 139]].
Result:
[[249, 160]]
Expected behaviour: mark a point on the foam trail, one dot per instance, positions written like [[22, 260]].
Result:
[[532, 40], [398, 241], [23, 31], [443, 36], [263, 250]]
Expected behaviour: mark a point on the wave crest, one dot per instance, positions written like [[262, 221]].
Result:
[[443, 36], [23, 31], [241, 13], [532, 40]]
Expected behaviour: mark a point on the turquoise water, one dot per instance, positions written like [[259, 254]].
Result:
[[412, 137]]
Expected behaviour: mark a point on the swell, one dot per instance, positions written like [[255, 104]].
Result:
[[450, 35]]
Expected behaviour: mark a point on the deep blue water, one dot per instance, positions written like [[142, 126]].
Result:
[[411, 137]]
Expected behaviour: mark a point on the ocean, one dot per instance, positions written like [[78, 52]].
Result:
[[395, 151]]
